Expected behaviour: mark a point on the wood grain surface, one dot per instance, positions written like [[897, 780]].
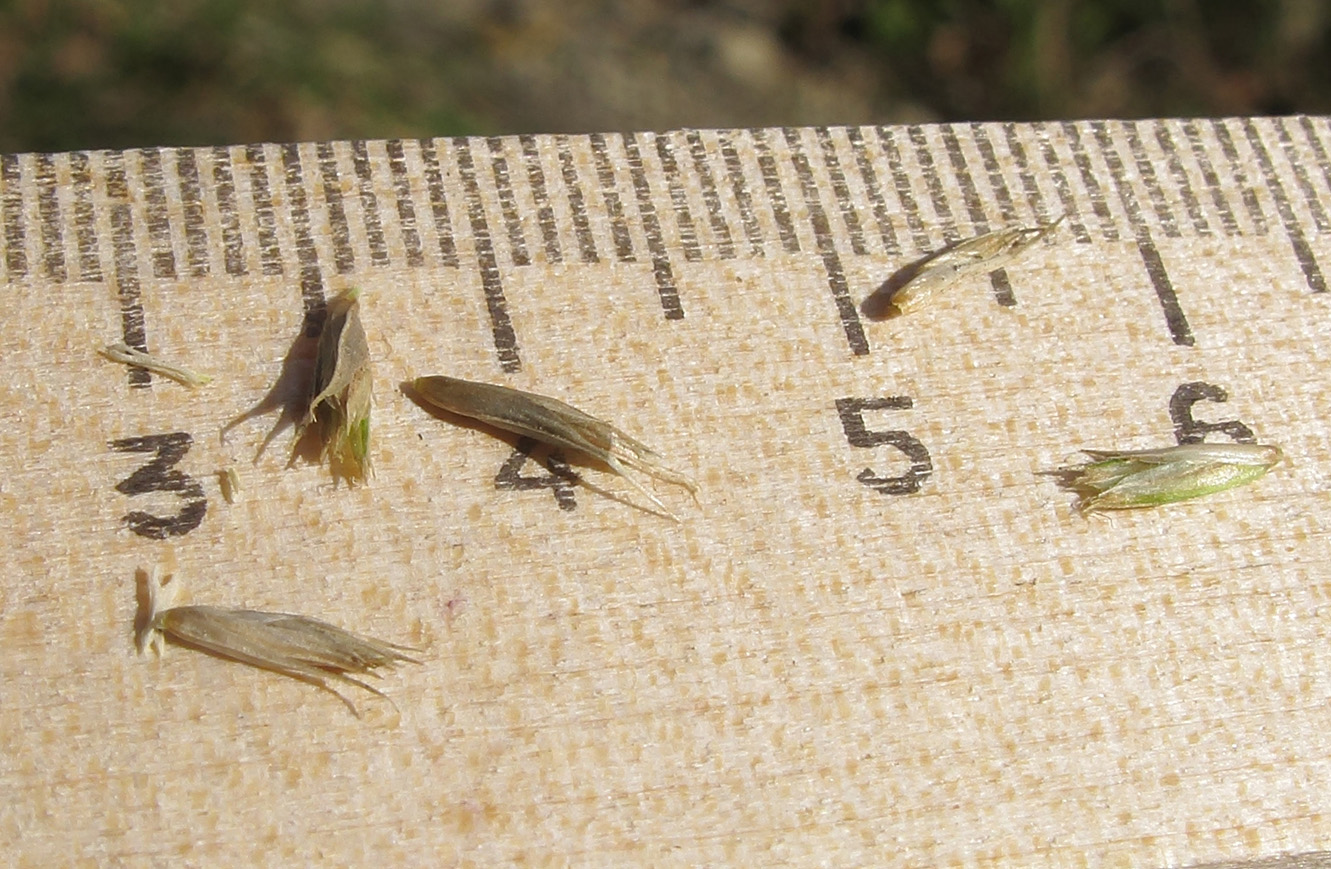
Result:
[[881, 637]]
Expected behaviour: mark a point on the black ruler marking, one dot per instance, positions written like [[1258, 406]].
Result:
[[191, 202], [924, 158], [825, 241], [743, 199], [841, 190], [501, 326], [1127, 196], [125, 266], [1031, 188], [577, 201], [369, 203], [970, 194], [998, 278], [508, 203], [344, 258], [1301, 178], [1054, 166], [406, 208], [85, 218], [1250, 203], [776, 196], [905, 196], [679, 198], [443, 223], [1145, 170], [989, 157], [1002, 288], [1175, 320], [1192, 133], [545, 213], [614, 205], [1090, 180], [1312, 272], [224, 186], [155, 212], [1174, 162], [1277, 148], [711, 196], [49, 221], [11, 203], [651, 228], [265, 218], [873, 188], [311, 274], [1319, 150]]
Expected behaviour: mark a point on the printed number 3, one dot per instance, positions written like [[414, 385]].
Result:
[[161, 475]]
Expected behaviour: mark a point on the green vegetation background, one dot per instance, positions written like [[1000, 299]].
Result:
[[122, 73]]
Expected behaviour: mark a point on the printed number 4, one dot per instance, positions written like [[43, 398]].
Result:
[[559, 481]]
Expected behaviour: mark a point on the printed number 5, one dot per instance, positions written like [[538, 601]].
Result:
[[851, 411]]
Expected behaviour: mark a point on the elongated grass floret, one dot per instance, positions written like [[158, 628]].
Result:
[[983, 253], [127, 355], [1122, 480], [301, 647], [341, 393], [553, 422]]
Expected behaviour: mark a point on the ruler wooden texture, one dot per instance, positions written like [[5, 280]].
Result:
[[881, 637]]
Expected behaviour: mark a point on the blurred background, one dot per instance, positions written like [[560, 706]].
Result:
[[121, 73]]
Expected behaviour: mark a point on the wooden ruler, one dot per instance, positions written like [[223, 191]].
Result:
[[882, 636]]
